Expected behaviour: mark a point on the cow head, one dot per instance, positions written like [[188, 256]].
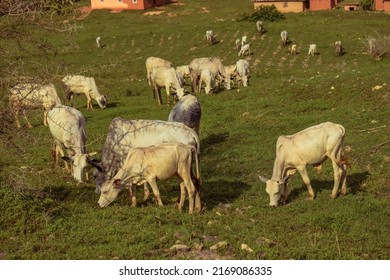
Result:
[[79, 162], [109, 192], [276, 189], [102, 102]]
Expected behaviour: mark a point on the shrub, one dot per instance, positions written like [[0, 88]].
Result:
[[378, 46], [264, 13], [366, 4]]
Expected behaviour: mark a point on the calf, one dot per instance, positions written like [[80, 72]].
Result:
[[310, 146], [208, 79], [210, 37], [339, 48], [242, 71], [312, 49], [31, 96], [168, 78], [150, 164], [245, 50]]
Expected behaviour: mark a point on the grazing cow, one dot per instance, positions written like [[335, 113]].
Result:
[[312, 49], [238, 44], [125, 134], [259, 26], [183, 70], [67, 126], [167, 77], [77, 84], [245, 50], [293, 49], [187, 111], [208, 79], [339, 48], [230, 71], [213, 64], [29, 96], [210, 37], [243, 71], [244, 40], [149, 164], [152, 62], [284, 37], [98, 42], [310, 146]]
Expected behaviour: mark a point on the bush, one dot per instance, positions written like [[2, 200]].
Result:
[[378, 46], [264, 13], [366, 4]]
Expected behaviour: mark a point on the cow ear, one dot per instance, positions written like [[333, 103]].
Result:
[[117, 183], [95, 164], [68, 159], [263, 179]]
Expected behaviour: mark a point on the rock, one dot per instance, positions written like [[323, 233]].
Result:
[[219, 245]]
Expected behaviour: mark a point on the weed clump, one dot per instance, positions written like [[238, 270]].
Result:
[[377, 46], [264, 13]]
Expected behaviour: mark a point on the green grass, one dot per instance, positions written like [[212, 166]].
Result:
[[46, 215]]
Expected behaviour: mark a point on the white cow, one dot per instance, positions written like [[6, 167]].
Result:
[[259, 26], [183, 70], [245, 50], [167, 77], [311, 146], [67, 126], [242, 70], [244, 40], [30, 96], [125, 134], [213, 64], [339, 48], [238, 44], [312, 49], [98, 42], [149, 164], [187, 111], [77, 84], [284, 37], [210, 37], [207, 79], [152, 62], [230, 71], [293, 49]]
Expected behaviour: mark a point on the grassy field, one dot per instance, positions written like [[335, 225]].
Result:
[[47, 215]]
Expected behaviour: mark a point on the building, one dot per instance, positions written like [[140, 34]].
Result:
[[126, 4], [382, 5], [351, 6], [320, 5], [289, 6]]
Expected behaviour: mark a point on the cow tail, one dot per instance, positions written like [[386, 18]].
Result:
[[198, 179]]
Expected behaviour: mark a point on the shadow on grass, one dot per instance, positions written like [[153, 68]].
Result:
[[213, 139], [221, 191], [354, 185]]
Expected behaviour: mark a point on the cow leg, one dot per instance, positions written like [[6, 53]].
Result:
[[306, 180], [339, 176], [25, 117], [168, 94], [157, 94], [133, 195], [156, 191], [146, 192], [182, 197], [16, 114], [45, 118]]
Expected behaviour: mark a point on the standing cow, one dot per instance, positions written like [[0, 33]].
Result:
[[67, 126], [242, 71], [31, 96], [125, 134], [77, 84], [168, 78], [149, 164], [152, 62], [311, 146]]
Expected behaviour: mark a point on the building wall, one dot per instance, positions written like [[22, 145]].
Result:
[[379, 5], [126, 4], [284, 7], [318, 5]]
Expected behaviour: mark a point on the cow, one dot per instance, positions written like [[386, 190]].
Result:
[[312, 49], [311, 146], [213, 64], [245, 50], [68, 128], [242, 71], [208, 79], [78, 84], [188, 111], [259, 26], [210, 37], [339, 48], [293, 49], [152, 62], [98, 42], [230, 71], [125, 134], [31, 96], [149, 164], [284, 37], [244, 40], [167, 77], [238, 44], [183, 70]]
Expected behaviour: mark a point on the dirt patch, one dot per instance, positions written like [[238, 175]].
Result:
[[153, 13]]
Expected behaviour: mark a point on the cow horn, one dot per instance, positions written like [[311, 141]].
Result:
[[263, 179], [92, 154]]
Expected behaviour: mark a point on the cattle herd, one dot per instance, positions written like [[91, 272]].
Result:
[[140, 152]]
